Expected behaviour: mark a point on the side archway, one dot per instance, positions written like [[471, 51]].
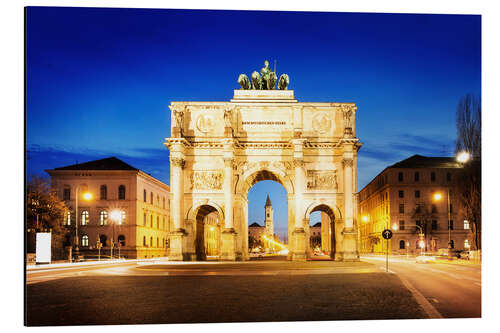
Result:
[[328, 226]]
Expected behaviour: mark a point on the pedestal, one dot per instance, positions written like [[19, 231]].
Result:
[[350, 245], [299, 242], [176, 246], [228, 250]]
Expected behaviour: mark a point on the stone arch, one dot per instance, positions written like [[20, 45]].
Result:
[[257, 173], [193, 210], [200, 213], [335, 216]]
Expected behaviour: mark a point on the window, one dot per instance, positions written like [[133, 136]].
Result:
[[85, 240], [144, 241], [157, 242], [85, 217], [144, 219], [158, 222], [448, 177], [451, 208], [104, 192], [103, 239], [151, 199], [267, 214], [401, 194], [151, 220], [418, 209], [466, 244], [122, 217], [151, 241], [417, 176], [434, 225], [67, 193], [103, 217], [433, 209], [450, 224], [163, 227], [401, 244], [163, 202], [163, 242], [68, 218], [433, 176], [401, 208], [121, 240], [121, 192], [466, 224], [400, 176], [452, 244], [144, 196], [401, 225], [417, 194], [158, 200]]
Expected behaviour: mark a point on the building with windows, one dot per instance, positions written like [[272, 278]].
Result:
[[411, 198], [117, 206]]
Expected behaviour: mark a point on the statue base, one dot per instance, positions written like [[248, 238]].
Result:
[[275, 96]]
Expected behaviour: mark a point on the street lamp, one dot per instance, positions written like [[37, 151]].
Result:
[[421, 243], [463, 157], [437, 197], [115, 216], [86, 196]]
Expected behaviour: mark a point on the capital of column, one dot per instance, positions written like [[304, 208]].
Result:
[[229, 162], [178, 162], [298, 163], [347, 162]]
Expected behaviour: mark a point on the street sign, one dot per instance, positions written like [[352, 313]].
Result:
[[387, 234]]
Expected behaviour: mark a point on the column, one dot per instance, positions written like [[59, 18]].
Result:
[[228, 250], [350, 251], [177, 188], [299, 235]]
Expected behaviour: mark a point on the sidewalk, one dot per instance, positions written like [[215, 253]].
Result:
[[453, 261], [59, 264]]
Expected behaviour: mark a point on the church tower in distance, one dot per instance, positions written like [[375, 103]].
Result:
[[269, 217]]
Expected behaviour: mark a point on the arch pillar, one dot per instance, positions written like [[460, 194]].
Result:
[[228, 236], [300, 240], [177, 236], [349, 232]]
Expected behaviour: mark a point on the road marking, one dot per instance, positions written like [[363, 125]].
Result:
[[429, 309]]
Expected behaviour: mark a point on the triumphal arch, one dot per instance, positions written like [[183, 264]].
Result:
[[219, 150]]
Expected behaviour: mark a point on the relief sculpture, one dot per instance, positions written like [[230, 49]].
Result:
[[321, 180], [206, 180]]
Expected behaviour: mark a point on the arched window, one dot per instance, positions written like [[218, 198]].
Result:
[[68, 218], [103, 217], [151, 198], [85, 240], [104, 192], [144, 195], [157, 222], [121, 240], [151, 241], [157, 242], [122, 217], [144, 241], [402, 244], [85, 217], [121, 192], [103, 239], [144, 220], [163, 202]]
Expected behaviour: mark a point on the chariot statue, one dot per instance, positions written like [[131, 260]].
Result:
[[266, 80]]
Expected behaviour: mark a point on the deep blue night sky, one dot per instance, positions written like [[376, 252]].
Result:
[[99, 81]]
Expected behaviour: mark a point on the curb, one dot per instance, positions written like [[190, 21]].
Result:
[[428, 308]]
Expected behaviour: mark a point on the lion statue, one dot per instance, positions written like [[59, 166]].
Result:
[[283, 82], [244, 82]]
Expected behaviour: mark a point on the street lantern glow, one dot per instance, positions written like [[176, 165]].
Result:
[[365, 218], [115, 215], [87, 196], [437, 196], [421, 244], [463, 157], [211, 228], [394, 227]]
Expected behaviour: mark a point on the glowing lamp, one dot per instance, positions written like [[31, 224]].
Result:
[[438, 196], [463, 157], [87, 196]]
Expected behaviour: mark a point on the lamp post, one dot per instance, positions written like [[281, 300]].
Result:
[[115, 217], [437, 197], [86, 196], [421, 243]]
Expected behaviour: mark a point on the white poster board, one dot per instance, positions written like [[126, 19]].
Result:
[[43, 247]]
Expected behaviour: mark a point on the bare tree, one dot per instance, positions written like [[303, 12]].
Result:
[[424, 215], [469, 178]]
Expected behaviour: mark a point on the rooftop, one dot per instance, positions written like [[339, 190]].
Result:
[[255, 225], [419, 161], [110, 163]]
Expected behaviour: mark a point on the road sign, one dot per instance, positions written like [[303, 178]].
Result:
[[387, 234]]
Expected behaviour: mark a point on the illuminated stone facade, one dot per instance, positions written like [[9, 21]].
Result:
[[128, 208], [401, 197], [219, 150]]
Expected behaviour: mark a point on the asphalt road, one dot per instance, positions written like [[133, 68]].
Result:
[[453, 289], [165, 292]]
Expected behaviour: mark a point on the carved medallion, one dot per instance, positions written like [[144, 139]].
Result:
[[205, 123], [206, 180], [321, 122], [322, 180]]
